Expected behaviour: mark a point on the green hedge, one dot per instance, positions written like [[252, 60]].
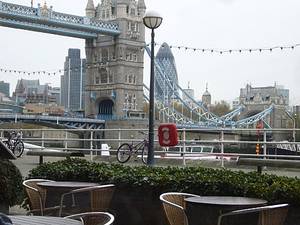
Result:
[[198, 180], [11, 189]]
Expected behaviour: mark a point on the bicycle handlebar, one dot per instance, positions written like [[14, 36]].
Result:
[[142, 132]]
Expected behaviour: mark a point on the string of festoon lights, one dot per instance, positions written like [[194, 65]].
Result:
[[221, 51], [41, 72], [22, 72], [53, 72], [177, 47]]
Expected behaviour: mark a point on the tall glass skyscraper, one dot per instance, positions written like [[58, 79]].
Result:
[[166, 60], [73, 81], [4, 88]]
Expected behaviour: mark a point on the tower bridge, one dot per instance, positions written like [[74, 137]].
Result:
[[115, 45], [44, 19]]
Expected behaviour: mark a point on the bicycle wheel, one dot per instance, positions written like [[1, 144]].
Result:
[[124, 153], [18, 148], [145, 154]]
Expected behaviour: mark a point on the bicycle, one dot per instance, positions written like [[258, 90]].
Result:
[[15, 143], [126, 150]]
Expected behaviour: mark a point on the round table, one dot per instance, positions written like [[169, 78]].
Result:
[[70, 185], [42, 220], [54, 189], [204, 210]]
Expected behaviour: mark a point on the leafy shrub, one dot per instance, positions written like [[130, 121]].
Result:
[[11, 189], [198, 180]]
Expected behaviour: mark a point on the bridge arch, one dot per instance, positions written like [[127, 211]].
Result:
[[105, 108]]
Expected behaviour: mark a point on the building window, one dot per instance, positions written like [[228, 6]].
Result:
[[103, 76], [130, 79], [133, 27], [113, 10], [132, 12], [126, 101], [129, 101], [134, 102], [129, 57], [104, 55], [110, 78], [113, 54], [134, 57], [129, 26], [97, 79]]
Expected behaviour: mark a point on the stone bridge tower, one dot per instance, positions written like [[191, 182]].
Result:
[[257, 99], [114, 83]]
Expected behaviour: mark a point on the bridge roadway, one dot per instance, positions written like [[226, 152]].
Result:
[[43, 19], [69, 122]]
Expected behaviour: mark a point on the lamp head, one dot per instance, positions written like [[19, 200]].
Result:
[[152, 19]]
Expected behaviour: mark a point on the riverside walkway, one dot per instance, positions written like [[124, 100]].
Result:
[[26, 163]]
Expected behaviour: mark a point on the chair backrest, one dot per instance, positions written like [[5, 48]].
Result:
[[99, 199], [36, 194], [268, 215], [274, 215], [94, 218], [174, 205]]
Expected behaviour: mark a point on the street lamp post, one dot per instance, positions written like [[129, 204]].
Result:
[[293, 118], [295, 126], [152, 20]]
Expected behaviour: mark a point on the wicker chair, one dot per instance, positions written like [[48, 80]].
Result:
[[37, 196], [268, 215], [94, 218], [89, 199], [174, 205]]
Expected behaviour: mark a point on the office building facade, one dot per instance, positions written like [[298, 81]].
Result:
[[167, 88], [73, 81], [4, 88], [31, 91]]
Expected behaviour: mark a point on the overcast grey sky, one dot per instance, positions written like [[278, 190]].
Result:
[[219, 24]]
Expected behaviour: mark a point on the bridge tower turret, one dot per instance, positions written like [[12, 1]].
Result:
[[141, 7], [206, 98], [114, 85], [90, 9]]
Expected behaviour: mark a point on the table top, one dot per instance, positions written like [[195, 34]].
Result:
[[42, 220], [226, 200], [208, 208], [66, 184]]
